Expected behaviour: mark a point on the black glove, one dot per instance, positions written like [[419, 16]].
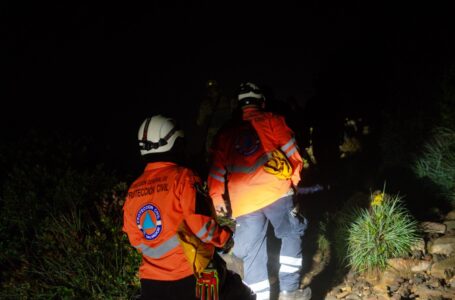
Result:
[[227, 247]]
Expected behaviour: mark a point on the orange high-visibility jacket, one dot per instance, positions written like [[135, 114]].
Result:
[[158, 201], [238, 156]]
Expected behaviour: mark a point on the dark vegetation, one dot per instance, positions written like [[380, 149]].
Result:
[[60, 217], [62, 189], [60, 223]]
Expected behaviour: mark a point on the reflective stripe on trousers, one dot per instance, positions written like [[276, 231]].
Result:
[[251, 246]]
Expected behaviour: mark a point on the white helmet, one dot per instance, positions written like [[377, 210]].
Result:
[[250, 93], [158, 134]]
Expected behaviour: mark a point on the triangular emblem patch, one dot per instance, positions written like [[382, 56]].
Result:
[[148, 223]]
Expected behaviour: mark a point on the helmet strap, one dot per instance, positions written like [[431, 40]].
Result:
[[149, 145]]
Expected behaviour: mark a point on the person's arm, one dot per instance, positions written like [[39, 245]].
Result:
[[130, 227], [198, 213]]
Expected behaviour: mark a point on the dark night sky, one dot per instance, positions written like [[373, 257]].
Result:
[[107, 65]]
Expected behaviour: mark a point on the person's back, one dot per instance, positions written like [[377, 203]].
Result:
[[244, 155], [151, 205], [164, 199], [255, 164]]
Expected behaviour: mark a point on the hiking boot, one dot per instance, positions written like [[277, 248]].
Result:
[[300, 294]]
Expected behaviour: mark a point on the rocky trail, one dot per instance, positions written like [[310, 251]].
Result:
[[427, 273]]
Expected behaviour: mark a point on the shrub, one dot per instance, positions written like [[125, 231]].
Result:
[[437, 162], [80, 255], [61, 225], [385, 230], [342, 220]]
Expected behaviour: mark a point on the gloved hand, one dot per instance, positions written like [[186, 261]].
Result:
[[227, 248], [207, 284], [226, 222], [221, 210]]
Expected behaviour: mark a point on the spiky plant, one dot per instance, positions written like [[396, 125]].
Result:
[[385, 230], [342, 220], [437, 162]]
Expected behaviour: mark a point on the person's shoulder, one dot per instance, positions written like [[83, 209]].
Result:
[[188, 174], [190, 171], [272, 116], [184, 169]]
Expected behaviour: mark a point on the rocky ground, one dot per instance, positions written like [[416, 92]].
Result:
[[427, 273]]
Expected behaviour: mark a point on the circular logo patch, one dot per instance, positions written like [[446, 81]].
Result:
[[247, 142], [148, 220]]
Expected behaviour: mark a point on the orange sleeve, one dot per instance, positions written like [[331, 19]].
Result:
[[130, 226], [201, 222]]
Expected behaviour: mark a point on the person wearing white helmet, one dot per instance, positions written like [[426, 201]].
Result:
[[170, 220], [255, 167], [158, 135]]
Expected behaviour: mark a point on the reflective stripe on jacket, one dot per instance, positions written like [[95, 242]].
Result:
[[239, 153], [158, 201]]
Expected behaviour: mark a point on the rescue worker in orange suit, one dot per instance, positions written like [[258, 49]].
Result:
[[245, 180], [165, 197]]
